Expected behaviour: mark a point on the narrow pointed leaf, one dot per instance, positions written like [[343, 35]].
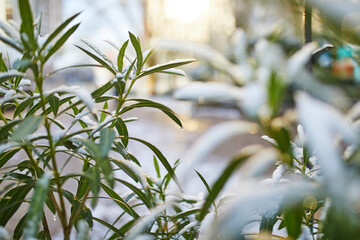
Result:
[[58, 30], [220, 182], [27, 21], [165, 66], [11, 202], [99, 60], [28, 126], [103, 89], [61, 41], [120, 57], [10, 74], [119, 201], [157, 168], [107, 136], [110, 227], [19, 228], [122, 131], [93, 176], [11, 43], [6, 156], [100, 53], [162, 159], [36, 209], [204, 181], [136, 44], [3, 67], [85, 211], [23, 105], [4, 130], [137, 191], [54, 104], [148, 103], [103, 114]]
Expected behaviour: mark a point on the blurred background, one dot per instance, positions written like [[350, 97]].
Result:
[[210, 22], [221, 34]]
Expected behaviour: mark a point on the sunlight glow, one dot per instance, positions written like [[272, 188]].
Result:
[[185, 10]]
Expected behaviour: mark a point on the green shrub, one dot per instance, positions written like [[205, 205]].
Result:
[[90, 138]]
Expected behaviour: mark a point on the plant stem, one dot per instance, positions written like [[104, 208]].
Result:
[[3, 117], [307, 23], [62, 214], [46, 227], [308, 28], [77, 212]]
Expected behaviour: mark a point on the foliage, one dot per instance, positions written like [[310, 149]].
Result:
[[311, 126], [97, 138], [310, 140]]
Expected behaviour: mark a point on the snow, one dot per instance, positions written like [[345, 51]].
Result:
[[299, 60], [278, 173], [9, 94], [269, 55], [138, 172], [25, 82], [323, 123], [211, 139]]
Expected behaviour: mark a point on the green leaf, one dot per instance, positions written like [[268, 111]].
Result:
[[100, 53], [120, 57], [54, 104], [27, 26], [137, 191], [85, 211], [58, 30], [267, 223], [157, 168], [147, 55], [174, 71], [204, 182], [125, 228], [60, 42], [6, 156], [293, 220], [3, 67], [23, 105], [110, 226], [99, 60], [4, 130], [220, 182], [11, 43], [107, 136], [162, 159], [28, 126], [36, 209], [119, 201], [93, 176], [165, 66], [4, 76], [148, 103], [103, 89], [136, 44], [19, 228], [122, 131], [103, 114], [11, 202], [123, 166], [98, 153], [129, 70], [83, 231]]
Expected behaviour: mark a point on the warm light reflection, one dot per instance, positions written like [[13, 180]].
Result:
[[185, 10]]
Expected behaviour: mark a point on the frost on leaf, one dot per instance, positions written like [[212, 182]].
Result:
[[323, 123]]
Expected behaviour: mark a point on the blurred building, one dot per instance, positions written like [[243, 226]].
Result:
[[49, 9], [204, 21]]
